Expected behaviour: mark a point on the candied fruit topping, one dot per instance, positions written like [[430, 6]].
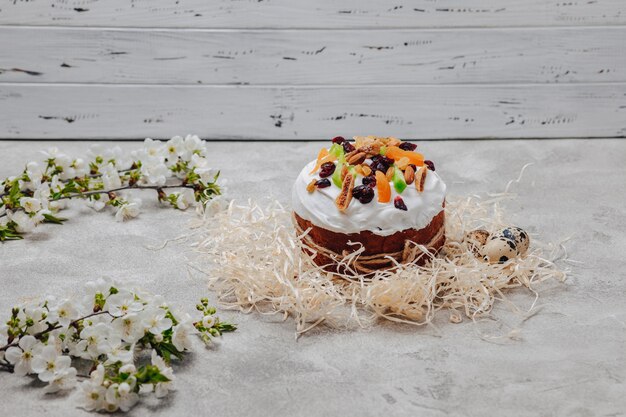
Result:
[[383, 163], [348, 147], [384, 190], [363, 193], [370, 180], [398, 203], [396, 154], [327, 169], [323, 183], [407, 146]]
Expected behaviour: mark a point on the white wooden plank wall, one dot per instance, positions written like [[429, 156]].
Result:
[[297, 69]]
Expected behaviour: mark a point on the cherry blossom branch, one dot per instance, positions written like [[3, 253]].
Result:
[[119, 374], [51, 328], [37, 193]]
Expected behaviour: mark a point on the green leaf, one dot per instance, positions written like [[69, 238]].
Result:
[[49, 218], [224, 327], [8, 232]]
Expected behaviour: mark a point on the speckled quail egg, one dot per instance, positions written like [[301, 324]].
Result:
[[505, 244], [476, 239]]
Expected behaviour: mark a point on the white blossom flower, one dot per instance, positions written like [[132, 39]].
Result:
[[117, 351], [161, 389], [21, 357], [101, 285], [121, 395], [155, 320], [24, 223], [213, 206], [202, 168], [93, 341], [193, 145], [64, 313], [48, 362], [34, 314], [128, 210], [34, 171], [154, 171], [91, 396], [153, 147], [122, 303], [30, 205], [62, 162], [181, 333], [208, 321], [130, 327], [111, 177], [56, 185], [129, 368], [174, 148], [184, 199], [98, 204], [80, 167], [42, 193], [63, 379]]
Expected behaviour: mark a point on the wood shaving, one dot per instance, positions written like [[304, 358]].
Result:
[[254, 262]]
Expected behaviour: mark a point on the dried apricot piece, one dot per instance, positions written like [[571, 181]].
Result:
[[397, 154], [327, 158], [384, 189]]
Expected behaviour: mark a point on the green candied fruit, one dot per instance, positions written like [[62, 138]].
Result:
[[341, 161], [398, 180], [383, 150], [337, 174], [336, 150]]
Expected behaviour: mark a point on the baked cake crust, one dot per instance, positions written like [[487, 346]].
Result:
[[432, 236]]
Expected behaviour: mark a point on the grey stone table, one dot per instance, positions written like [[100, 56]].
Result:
[[570, 358]]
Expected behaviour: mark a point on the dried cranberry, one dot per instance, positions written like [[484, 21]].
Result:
[[430, 165], [323, 183], [370, 180], [382, 164], [348, 147], [408, 146], [338, 139], [398, 202], [327, 169], [363, 193]]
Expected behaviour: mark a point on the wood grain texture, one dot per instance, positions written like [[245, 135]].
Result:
[[223, 112], [312, 14], [551, 55]]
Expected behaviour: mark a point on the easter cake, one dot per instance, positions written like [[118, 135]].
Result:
[[374, 195]]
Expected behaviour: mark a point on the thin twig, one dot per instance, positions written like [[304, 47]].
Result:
[[128, 187]]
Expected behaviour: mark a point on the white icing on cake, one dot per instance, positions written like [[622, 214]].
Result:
[[382, 219]]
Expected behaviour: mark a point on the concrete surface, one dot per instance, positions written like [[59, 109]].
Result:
[[570, 360]]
